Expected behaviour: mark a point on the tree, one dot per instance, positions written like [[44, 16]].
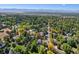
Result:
[[21, 28], [34, 46], [20, 39], [66, 47], [49, 52], [20, 49], [72, 42], [41, 49], [60, 38]]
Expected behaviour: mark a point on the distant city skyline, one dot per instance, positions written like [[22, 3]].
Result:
[[41, 6]]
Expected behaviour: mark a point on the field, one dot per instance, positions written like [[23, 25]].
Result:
[[39, 33]]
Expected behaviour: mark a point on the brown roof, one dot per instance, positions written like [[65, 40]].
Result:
[[4, 34]]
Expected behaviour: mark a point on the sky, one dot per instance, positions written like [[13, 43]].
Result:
[[41, 6]]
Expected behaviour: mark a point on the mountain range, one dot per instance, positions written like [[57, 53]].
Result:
[[39, 10]]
